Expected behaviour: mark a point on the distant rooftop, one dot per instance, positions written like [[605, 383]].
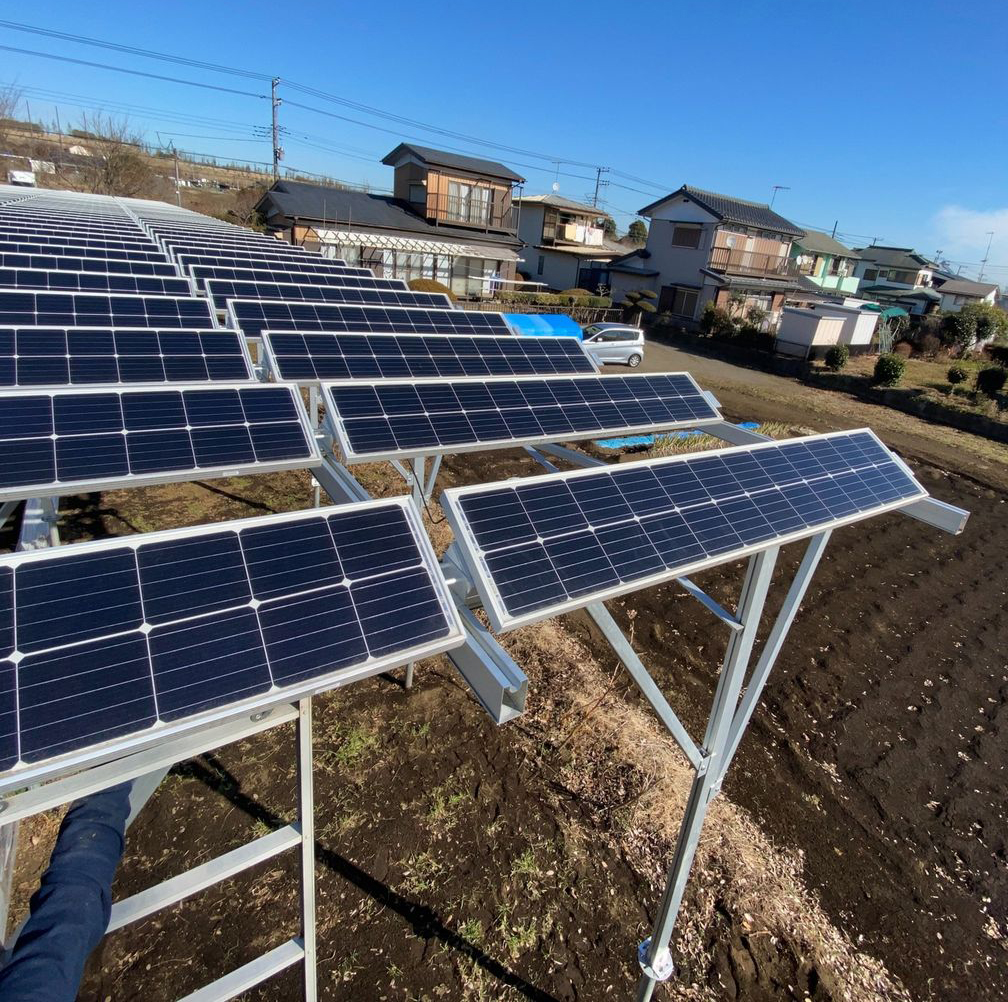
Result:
[[559, 202], [823, 243], [905, 258], [732, 210], [453, 161], [965, 287]]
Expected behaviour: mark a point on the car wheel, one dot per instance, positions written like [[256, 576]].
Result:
[[634, 360]]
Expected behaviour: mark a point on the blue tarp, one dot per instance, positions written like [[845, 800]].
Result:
[[543, 324], [634, 440]]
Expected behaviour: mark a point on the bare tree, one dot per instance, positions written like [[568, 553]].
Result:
[[118, 162], [10, 100]]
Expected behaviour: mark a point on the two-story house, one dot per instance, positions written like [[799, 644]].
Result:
[[898, 276], [825, 261], [450, 218], [704, 248], [565, 243]]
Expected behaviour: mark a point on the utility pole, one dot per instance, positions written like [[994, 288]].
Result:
[[599, 171], [178, 187], [277, 151], [836, 223], [983, 263]]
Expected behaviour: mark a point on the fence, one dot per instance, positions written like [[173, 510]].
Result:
[[580, 314]]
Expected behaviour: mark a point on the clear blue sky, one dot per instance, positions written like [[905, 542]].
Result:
[[890, 118]]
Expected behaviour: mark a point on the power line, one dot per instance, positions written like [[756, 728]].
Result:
[[149, 53], [136, 73]]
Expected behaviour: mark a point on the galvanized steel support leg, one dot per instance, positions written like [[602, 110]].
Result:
[[306, 810], [655, 958]]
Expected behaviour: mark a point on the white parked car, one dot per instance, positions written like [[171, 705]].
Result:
[[615, 344]]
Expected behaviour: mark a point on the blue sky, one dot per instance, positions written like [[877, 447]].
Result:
[[889, 118]]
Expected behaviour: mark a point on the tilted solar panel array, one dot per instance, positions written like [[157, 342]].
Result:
[[72, 439], [88, 309], [223, 290], [317, 266], [77, 249], [229, 615], [78, 356], [90, 281], [278, 274], [398, 419], [77, 263], [312, 358], [252, 317], [557, 542]]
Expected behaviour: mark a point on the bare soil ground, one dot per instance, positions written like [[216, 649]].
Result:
[[858, 851]]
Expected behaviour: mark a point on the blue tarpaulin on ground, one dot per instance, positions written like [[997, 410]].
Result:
[[543, 324], [634, 440]]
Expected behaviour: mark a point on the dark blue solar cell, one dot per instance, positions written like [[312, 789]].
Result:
[[143, 411], [31, 461], [671, 537], [525, 578], [87, 413], [804, 501], [91, 457], [355, 534], [681, 484], [8, 715], [746, 519], [284, 440], [488, 426], [31, 343], [213, 407], [8, 371], [600, 499], [268, 404], [25, 416], [159, 451], [33, 371], [226, 445], [191, 577], [779, 512], [292, 557], [497, 518], [75, 697], [413, 432], [76, 598], [552, 508], [452, 429], [223, 367], [398, 611], [142, 369], [523, 424], [180, 343], [6, 612], [311, 635], [630, 551], [188, 659], [370, 435], [581, 563]]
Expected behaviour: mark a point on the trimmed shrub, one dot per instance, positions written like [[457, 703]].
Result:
[[904, 348], [715, 322], [648, 294], [990, 381], [429, 285], [957, 374], [889, 369], [929, 345], [575, 292], [836, 357], [998, 353], [600, 302]]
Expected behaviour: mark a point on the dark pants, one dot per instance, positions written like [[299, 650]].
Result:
[[70, 910]]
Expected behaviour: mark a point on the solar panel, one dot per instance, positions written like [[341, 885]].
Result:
[[76, 263], [395, 419], [88, 281], [80, 250], [221, 290], [47, 240], [313, 358], [78, 440], [80, 356], [323, 266], [201, 273], [549, 544], [32, 232], [253, 316], [91, 309], [101, 641]]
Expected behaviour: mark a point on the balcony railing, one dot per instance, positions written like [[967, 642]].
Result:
[[742, 262], [486, 214]]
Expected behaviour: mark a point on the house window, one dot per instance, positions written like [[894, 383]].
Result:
[[871, 274], [685, 235], [539, 268], [468, 203], [680, 302], [418, 193]]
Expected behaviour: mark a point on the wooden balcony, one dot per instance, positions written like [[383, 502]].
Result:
[[732, 261], [483, 213]]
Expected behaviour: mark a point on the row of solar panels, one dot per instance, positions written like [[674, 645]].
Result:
[[237, 615]]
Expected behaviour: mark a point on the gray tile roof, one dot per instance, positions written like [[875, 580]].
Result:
[[822, 243], [964, 287], [317, 203], [759, 215], [904, 258], [454, 161], [559, 202]]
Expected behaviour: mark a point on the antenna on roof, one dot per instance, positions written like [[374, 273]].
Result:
[[776, 188]]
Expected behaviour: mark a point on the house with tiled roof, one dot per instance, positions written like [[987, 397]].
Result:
[[825, 262], [704, 247], [959, 292]]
